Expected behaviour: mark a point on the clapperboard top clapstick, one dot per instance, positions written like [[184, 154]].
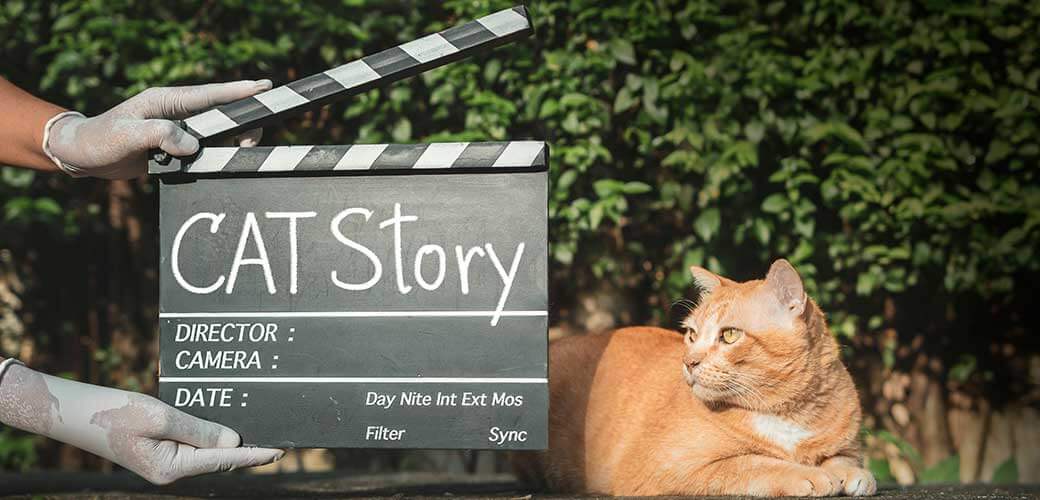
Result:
[[358, 76], [515, 155]]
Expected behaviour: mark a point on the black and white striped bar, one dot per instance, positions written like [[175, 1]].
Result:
[[520, 155], [358, 76]]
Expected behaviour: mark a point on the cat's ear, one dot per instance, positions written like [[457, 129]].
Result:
[[706, 280], [787, 286]]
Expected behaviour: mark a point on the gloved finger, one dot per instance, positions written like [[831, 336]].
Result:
[[250, 138], [165, 135], [188, 429], [192, 462], [179, 102]]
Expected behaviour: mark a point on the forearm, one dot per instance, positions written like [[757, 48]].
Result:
[[136, 431], [22, 120], [52, 407]]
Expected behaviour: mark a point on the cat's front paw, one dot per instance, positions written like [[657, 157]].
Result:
[[855, 481], [810, 482]]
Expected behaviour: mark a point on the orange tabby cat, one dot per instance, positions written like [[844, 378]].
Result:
[[752, 400]]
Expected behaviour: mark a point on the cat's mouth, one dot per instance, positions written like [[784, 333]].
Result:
[[702, 386], [692, 379], [707, 394]]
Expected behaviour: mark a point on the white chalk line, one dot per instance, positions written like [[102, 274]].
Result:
[[359, 380], [353, 314]]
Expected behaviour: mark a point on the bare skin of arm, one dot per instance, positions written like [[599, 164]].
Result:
[[21, 128]]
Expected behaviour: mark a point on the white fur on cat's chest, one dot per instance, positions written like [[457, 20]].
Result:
[[780, 431]]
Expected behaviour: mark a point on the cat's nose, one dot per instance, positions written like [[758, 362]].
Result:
[[692, 360]]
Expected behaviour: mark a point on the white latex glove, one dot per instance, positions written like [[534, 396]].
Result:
[[114, 144], [141, 433]]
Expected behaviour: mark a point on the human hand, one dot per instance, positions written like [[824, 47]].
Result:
[[141, 433], [114, 144]]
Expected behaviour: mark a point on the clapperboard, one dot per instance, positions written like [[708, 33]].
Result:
[[367, 295]]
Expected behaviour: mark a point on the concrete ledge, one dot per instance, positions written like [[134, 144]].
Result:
[[344, 485]]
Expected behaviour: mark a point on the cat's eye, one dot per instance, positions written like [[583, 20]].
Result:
[[731, 335]]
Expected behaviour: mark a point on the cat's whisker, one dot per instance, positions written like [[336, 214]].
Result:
[[752, 376], [683, 301], [729, 386], [751, 397], [686, 304], [743, 395], [746, 397], [750, 380], [759, 380], [762, 401]]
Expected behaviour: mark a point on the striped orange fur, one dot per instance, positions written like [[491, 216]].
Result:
[[752, 399]]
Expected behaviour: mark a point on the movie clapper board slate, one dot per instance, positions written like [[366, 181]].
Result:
[[368, 295]]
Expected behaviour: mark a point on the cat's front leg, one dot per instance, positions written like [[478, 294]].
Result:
[[855, 480], [764, 477]]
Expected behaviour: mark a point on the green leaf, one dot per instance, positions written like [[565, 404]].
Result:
[[986, 180], [635, 187], [881, 471], [47, 206], [16, 177], [707, 223], [850, 135], [328, 54], [998, 150], [624, 100], [802, 252], [402, 131], [745, 153], [566, 179], [762, 231], [866, 283], [596, 215], [563, 254], [945, 472], [1006, 473], [607, 187], [981, 75], [66, 22], [963, 369], [905, 448], [492, 69], [775, 203], [754, 131], [623, 51]]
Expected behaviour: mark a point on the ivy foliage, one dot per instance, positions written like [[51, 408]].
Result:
[[888, 149]]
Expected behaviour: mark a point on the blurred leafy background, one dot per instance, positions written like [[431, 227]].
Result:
[[889, 149]]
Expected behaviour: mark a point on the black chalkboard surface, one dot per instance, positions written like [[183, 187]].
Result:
[[376, 296]]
